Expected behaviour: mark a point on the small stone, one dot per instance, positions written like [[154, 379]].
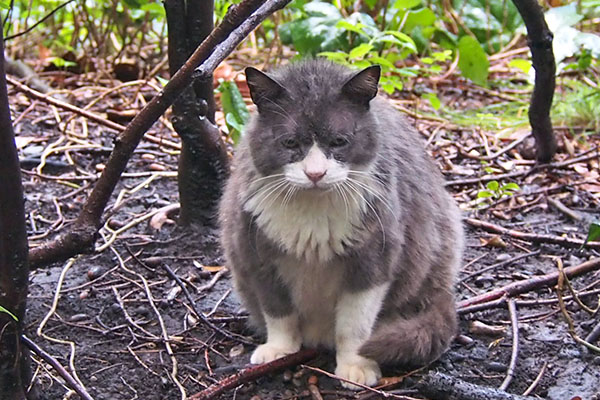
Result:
[[496, 366], [78, 317], [84, 294], [596, 360], [148, 157], [299, 374], [464, 340], [237, 351], [313, 380], [157, 167], [94, 272], [503, 257], [287, 375], [256, 397], [114, 223], [297, 382], [100, 167], [93, 378], [152, 261]]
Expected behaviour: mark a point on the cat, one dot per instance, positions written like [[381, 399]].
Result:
[[336, 226]]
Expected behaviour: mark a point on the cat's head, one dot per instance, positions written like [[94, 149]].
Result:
[[314, 122]]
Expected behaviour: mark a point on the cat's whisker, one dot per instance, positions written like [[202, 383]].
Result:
[[339, 190], [262, 178], [283, 112], [269, 191], [369, 175], [373, 192], [372, 208], [264, 188]]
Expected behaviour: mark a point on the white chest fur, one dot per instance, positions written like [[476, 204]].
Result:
[[312, 225]]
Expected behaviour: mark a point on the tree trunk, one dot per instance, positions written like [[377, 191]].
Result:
[[539, 39], [14, 269], [203, 163]]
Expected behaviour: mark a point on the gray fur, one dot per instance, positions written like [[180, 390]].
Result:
[[414, 242]]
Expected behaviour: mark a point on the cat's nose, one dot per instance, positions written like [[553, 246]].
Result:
[[315, 176]]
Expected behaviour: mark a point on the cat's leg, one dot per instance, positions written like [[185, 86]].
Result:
[[281, 319], [283, 338], [355, 316]]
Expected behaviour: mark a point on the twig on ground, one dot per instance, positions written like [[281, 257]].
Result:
[[594, 334], [514, 320], [564, 209], [252, 373], [199, 313], [440, 386], [71, 382], [40, 329], [516, 288], [559, 288], [532, 237], [588, 155], [213, 281], [365, 387], [537, 380], [498, 265]]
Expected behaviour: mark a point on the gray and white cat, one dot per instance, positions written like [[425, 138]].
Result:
[[336, 225]]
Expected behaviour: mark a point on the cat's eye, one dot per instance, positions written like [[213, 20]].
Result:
[[290, 143], [338, 142]]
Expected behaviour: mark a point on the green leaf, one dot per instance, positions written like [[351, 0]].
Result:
[[484, 194], [473, 61], [523, 65], [361, 50], [510, 187], [423, 17], [406, 4], [493, 186], [593, 233], [433, 100], [4, 310], [234, 108]]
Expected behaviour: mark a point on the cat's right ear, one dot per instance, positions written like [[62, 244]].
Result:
[[362, 87], [263, 89]]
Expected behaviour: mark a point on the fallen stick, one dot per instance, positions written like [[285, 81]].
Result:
[[252, 373], [516, 288], [532, 237], [440, 386], [70, 381]]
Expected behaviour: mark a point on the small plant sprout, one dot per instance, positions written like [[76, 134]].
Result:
[[496, 191], [4, 310]]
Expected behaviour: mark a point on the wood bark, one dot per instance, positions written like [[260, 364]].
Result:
[[237, 24], [539, 39], [14, 270], [203, 163]]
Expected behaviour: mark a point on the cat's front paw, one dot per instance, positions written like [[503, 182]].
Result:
[[269, 352], [357, 369]]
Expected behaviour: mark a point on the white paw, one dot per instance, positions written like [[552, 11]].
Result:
[[358, 369], [269, 352]]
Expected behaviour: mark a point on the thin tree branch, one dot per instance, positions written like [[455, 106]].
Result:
[[85, 228], [255, 372], [514, 320], [532, 237], [516, 288]]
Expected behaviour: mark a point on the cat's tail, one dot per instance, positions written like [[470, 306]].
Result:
[[416, 340]]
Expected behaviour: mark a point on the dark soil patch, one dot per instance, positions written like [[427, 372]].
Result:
[[118, 357]]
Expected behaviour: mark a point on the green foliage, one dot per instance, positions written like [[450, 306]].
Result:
[[473, 62], [496, 191], [234, 108], [4, 310], [593, 233], [577, 106]]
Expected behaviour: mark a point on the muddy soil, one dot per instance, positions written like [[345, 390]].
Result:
[[105, 315]]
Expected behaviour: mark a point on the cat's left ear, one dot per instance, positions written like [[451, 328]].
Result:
[[262, 87], [362, 87]]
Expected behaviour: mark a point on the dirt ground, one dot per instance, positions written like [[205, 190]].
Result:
[[105, 316]]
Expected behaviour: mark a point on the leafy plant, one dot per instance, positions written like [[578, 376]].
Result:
[[234, 108], [4, 310], [473, 62], [496, 191], [593, 233]]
